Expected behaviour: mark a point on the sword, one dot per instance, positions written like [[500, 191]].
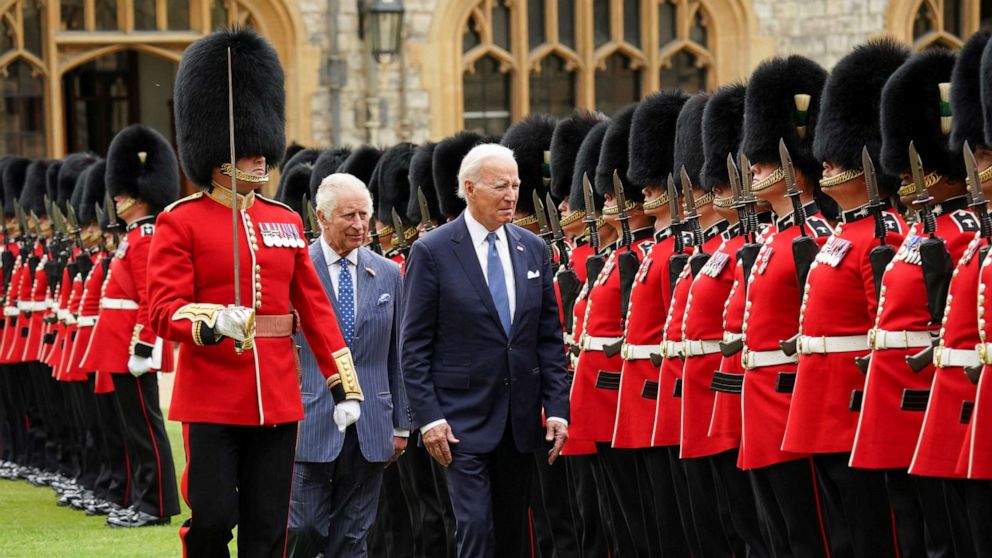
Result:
[[404, 248], [557, 235], [627, 260], [595, 262], [544, 231], [881, 255], [678, 259], [425, 212], [239, 347], [804, 248], [374, 241], [699, 257]]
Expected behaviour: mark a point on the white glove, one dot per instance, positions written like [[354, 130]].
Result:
[[232, 322], [139, 365], [346, 413]]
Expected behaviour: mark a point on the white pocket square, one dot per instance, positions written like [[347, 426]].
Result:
[[533, 274], [384, 298]]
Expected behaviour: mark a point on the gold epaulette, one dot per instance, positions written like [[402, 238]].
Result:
[[188, 198], [273, 202]]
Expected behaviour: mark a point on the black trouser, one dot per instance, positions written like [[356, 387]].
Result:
[[16, 441], [41, 430], [788, 498], [857, 508], [427, 494], [633, 515], [114, 481], [715, 537], [153, 477], [955, 491], [238, 475], [553, 493], [978, 502], [89, 443], [923, 525], [738, 509], [392, 533], [591, 509]]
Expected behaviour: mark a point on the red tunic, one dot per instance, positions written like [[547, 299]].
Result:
[[839, 301], [704, 321], [771, 314], [52, 348], [71, 327], [887, 434], [667, 423], [977, 451], [11, 313], [579, 256], [649, 300], [943, 431], [19, 336], [89, 311], [191, 262]]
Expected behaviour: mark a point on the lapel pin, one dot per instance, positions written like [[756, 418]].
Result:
[[520, 248], [370, 271]]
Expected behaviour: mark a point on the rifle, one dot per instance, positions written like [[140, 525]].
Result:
[[678, 259], [699, 257], [403, 247], [804, 248], [374, 242], [882, 254], [934, 259], [748, 254], [595, 262], [313, 226], [557, 236], [544, 230], [569, 284], [627, 260], [980, 208], [425, 212]]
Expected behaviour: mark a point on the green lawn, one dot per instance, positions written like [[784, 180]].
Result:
[[31, 525]]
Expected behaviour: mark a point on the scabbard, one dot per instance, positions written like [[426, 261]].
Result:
[[569, 286], [594, 264], [921, 360], [790, 346], [879, 259], [974, 373], [729, 349], [676, 264], [937, 271], [628, 263], [697, 261], [804, 251]]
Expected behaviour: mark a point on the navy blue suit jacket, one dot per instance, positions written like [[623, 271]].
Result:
[[459, 364]]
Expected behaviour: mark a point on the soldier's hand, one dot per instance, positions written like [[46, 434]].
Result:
[[557, 431], [235, 322], [437, 441], [346, 413], [138, 365]]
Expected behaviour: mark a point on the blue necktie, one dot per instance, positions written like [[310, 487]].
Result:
[[497, 283], [346, 303]]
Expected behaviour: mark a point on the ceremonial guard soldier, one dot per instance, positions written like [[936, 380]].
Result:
[[842, 285], [780, 113], [236, 388], [915, 127]]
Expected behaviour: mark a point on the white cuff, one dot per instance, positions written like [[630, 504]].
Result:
[[558, 419], [428, 426], [401, 433]]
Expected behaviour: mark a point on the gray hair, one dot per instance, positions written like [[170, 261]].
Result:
[[327, 192], [472, 163]]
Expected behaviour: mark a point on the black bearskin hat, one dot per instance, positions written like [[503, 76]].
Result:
[[530, 140], [91, 188], [448, 155], [293, 185], [723, 123], [152, 177], [614, 155], [912, 105], [291, 150], [688, 149], [304, 156], [968, 122], [652, 138], [775, 108], [565, 144], [68, 177], [586, 161], [422, 176], [851, 103], [325, 165], [35, 187], [391, 180], [361, 162], [52, 181], [14, 171], [201, 103]]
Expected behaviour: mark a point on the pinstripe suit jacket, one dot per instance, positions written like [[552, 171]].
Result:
[[375, 351]]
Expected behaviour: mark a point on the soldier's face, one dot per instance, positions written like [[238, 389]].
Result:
[[254, 165], [574, 228], [762, 171], [347, 226], [611, 201], [492, 197], [983, 156], [723, 192]]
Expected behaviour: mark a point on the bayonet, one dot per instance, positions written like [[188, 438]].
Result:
[[404, 248], [626, 238], [425, 211], [544, 231], [374, 241], [978, 202], [747, 197], [792, 189], [591, 219], [874, 199], [312, 222], [691, 214], [923, 198], [676, 210], [558, 237], [737, 195], [111, 211]]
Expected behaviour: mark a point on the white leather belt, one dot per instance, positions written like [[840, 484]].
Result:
[[10, 311], [881, 339], [671, 349], [729, 337], [759, 359], [32, 306], [944, 357], [638, 352], [822, 345], [86, 321], [62, 313], [700, 347], [590, 343], [70, 319], [118, 304]]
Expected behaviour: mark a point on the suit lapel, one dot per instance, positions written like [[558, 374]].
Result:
[[469, 260], [518, 256], [320, 263]]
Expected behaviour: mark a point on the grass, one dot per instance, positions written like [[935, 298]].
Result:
[[31, 525]]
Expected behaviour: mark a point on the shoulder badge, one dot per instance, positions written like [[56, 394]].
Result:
[[147, 229], [819, 226], [645, 247], [891, 223], [965, 221], [188, 198]]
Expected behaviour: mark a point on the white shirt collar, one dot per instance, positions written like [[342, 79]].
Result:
[[332, 257], [478, 232]]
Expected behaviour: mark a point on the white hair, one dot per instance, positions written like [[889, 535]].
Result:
[[327, 192], [472, 163]]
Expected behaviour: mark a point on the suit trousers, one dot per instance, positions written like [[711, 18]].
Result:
[[489, 496], [859, 514], [237, 475], [153, 472], [789, 498], [334, 504]]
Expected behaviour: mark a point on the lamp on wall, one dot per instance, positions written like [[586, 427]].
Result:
[[381, 24]]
